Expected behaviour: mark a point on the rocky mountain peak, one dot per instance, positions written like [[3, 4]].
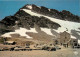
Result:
[[41, 18], [63, 15]]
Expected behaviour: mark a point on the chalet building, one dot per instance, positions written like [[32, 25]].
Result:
[[64, 39], [74, 43]]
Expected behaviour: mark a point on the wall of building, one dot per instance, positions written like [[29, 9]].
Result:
[[64, 38]]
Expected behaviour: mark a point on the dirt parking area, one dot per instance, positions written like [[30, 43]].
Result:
[[38, 53]]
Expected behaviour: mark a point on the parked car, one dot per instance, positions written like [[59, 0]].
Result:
[[57, 47]]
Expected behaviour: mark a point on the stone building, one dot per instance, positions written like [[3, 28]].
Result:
[[74, 43], [64, 39]]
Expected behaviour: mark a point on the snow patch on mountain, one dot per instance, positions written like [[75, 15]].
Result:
[[21, 32], [29, 6], [47, 31], [65, 25], [73, 37], [49, 9]]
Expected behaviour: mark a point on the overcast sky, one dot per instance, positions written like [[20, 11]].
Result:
[[10, 7]]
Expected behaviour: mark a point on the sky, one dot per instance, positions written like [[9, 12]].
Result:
[[10, 7]]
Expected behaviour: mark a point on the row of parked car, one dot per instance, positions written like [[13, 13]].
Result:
[[19, 48]]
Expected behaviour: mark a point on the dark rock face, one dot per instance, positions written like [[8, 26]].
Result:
[[35, 8], [28, 21], [2, 31], [69, 16], [21, 13], [3, 28], [9, 20], [55, 13], [2, 25], [63, 15], [7, 23], [44, 10]]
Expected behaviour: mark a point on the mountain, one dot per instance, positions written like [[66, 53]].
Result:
[[40, 23]]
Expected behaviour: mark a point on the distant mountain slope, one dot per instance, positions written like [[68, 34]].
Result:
[[48, 23]]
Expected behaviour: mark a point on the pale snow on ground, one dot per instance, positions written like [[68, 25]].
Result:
[[47, 31], [29, 6], [73, 37], [21, 32], [49, 9], [64, 24]]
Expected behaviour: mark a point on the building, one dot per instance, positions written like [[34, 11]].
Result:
[[64, 39], [74, 43]]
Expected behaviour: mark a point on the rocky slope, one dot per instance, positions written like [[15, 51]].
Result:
[[48, 23]]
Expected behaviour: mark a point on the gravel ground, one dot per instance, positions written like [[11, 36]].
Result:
[[41, 53]]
